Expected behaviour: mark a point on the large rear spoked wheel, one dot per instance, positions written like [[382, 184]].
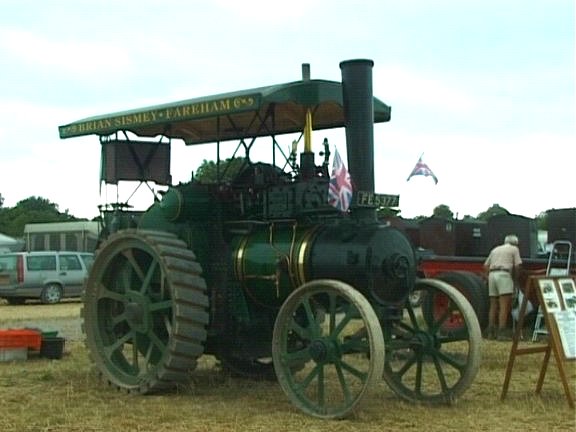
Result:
[[328, 348], [433, 356], [145, 311]]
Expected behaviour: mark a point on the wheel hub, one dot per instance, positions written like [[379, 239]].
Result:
[[323, 350], [425, 341], [137, 314]]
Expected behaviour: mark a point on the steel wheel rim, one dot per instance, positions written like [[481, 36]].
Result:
[[328, 348], [427, 361]]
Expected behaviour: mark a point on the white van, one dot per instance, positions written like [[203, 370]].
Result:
[[45, 275]]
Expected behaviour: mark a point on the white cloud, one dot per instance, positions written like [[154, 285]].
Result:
[[77, 59], [421, 89], [272, 13]]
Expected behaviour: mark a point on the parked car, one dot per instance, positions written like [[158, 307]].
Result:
[[46, 275]]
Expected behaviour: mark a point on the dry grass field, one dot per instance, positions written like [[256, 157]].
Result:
[[65, 395]]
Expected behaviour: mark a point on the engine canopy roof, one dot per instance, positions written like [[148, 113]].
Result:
[[263, 111]]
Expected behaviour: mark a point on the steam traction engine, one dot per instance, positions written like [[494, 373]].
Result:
[[259, 270]]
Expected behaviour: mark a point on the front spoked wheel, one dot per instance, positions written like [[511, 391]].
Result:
[[328, 348], [433, 355]]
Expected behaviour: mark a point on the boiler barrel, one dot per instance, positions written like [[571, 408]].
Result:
[[270, 261], [377, 260], [273, 260]]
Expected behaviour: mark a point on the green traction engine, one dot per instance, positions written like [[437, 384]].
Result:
[[258, 269]]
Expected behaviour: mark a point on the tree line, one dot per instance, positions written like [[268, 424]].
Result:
[[30, 210]]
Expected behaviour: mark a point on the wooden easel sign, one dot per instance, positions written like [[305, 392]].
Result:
[[557, 298], [565, 317]]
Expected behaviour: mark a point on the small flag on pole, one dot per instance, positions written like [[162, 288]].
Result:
[[340, 189], [422, 169]]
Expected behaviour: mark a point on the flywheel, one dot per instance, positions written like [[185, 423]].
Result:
[[145, 311]]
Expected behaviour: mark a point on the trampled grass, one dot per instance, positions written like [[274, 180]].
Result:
[[32, 311], [66, 395]]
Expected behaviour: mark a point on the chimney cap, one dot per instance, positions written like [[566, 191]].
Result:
[[305, 71]]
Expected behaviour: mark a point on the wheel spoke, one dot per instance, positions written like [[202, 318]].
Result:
[[355, 345], [303, 333], [148, 278], [418, 379], [163, 289], [117, 320], [409, 327], [160, 305], [407, 365], [351, 369], [412, 316], [156, 341], [313, 326], [343, 384], [440, 374], [148, 357], [125, 280], [451, 360], [109, 294], [321, 392], [302, 385], [129, 255], [332, 313], [348, 315], [294, 358], [119, 343], [438, 322], [135, 355], [167, 324]]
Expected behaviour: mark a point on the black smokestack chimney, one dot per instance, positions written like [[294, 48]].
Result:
[[359, 121]]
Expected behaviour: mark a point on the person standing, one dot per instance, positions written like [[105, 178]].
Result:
[[503, 268]]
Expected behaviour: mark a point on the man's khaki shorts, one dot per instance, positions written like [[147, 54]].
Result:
[[500, 283]]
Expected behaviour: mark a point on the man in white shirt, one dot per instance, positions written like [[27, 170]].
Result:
[[503, 267]]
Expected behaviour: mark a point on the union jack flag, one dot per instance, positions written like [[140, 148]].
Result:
[[340, 189], [422, 169]]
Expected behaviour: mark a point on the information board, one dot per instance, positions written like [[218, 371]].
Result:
[[558, 299]]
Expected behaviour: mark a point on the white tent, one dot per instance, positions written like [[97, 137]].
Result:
[[9, 244]]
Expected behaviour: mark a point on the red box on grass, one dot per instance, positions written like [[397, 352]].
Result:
[[20, 338]]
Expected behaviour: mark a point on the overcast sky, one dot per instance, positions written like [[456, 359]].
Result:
[[483, 88]]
